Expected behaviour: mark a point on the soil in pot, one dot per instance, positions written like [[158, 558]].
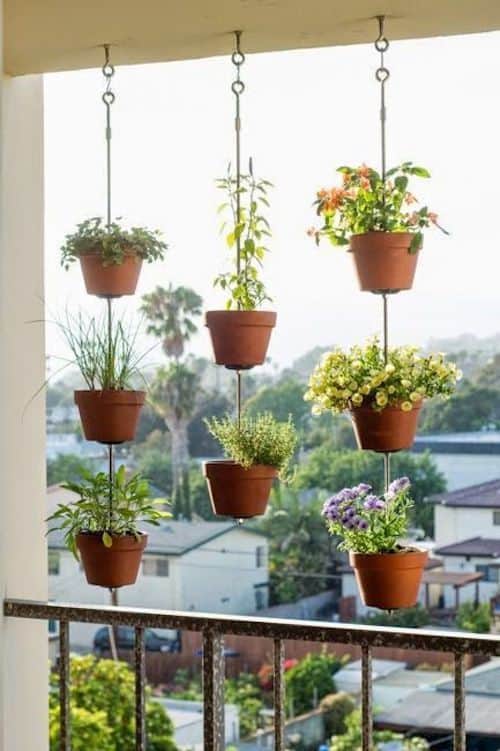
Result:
[[238, 492], [383, 261], [112, 567], [110, 416], [240, 338], [391, 429], [113, 280], [389, 581]]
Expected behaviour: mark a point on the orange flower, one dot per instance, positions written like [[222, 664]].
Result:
[[322, 193], [311, 232], [432, 217], [414, 219], [364, 183], [410, 198], [364, 170]]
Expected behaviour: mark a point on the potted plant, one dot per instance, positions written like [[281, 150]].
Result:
[[240, 334], [259, 450], [383, 397], [380, 221], [111, 257], [371, 528], [109, 407], [102, 526]]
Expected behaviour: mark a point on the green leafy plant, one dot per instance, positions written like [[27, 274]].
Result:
[[361, 376], [105, 362], [310, 680], [336, 708], [249, 228], [367, 523], [474, 617], [416, 617], [111, 507], [351, 739], [367, 203], [256, 440], [112, 243]]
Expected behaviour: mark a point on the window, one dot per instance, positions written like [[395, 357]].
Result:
[[496, 518], [260, 556], [490, 573], [155, 567], [54, 563]]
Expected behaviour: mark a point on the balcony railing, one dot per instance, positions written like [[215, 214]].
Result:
[[214, 627]]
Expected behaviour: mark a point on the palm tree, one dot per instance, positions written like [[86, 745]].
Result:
[[175, 391]]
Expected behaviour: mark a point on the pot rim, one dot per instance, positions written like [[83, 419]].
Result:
[[378, 232], [366, 407], [87, 533], [367, 559], [231, 464], [107, 392], [222, 313], [98, 251]]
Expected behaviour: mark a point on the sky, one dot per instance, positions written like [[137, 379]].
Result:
[[304, 113]]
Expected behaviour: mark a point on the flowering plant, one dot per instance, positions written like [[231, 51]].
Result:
[[367, 203], [244, 286], [361, 376], [369, 523]]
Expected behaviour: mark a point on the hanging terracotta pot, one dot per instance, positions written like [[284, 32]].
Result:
[[391, 429], [114, 280], [389, 580], [238, 492], [112, 567], [240, 338], [383, 261], [109, 416]]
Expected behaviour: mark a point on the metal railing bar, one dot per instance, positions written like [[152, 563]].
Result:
[[279, 694], [459, 733], [272, 628], [140, 690], [64, 690], [213, 691], [366, 699]]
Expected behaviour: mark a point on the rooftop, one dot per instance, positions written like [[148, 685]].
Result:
[[482, 547], [484, 495]]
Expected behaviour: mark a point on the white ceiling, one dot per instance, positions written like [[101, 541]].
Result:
[[50, 35]]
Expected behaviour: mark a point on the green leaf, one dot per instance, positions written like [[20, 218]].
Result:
[[107, 540]]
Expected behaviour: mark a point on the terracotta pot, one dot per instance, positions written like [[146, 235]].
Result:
[[240, 338], [389, 580], [238, 492], [383, 261], [111, 567], [114, 280], [391, 429], [109, 416]]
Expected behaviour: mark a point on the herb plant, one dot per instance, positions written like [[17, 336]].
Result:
[[361, 376], [368, 523], [112, 243], [256, 440], [93, 513], [365, 203], [245, 288], [105, 362]]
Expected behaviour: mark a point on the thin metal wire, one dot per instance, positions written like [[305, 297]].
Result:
[[108, 98], [387, 471], [385, 327], [366, 699], [64, 688]]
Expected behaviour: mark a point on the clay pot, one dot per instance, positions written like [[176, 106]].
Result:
[[111, 567], [109, 416], [238, 492], [389, 580], [383, 261], [391, 429], [114, 280], [240, 338]]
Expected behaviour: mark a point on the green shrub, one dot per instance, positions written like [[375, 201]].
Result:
[[336, 708], [416, 617], [310, 680], [475, 618]]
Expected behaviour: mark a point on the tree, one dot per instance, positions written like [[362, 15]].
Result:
[[201, 443], [282, 399], [102, 695], [171, 312], [331, 470], [351, 740], [474, 618], [472, 407], [67, 467], [153, 460], [311, 680]]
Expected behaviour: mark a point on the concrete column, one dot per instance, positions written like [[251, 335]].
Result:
[[23, 557]]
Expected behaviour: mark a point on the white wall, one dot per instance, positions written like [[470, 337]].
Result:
[[23, 561], [457, 524]]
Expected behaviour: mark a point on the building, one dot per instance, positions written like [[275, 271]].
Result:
[[193, 566]]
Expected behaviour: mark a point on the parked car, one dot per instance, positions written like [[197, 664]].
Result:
[[156, 640]]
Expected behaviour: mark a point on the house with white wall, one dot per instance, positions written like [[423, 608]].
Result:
[[198, 566]]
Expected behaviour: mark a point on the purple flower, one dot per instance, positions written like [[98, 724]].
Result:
[[349, 512], [362, 524], [331, 513], [349, 523], [363, 487], [373, 503], [347, 494], [397, 486]]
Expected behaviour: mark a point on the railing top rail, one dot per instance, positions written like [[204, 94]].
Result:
[[271, 628]]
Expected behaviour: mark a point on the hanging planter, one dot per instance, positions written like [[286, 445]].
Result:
[[383, 389], [377, 216], [103, 350], [370, 528], [101, 527], [110, 256], [109, 416], [260, 450], [240, 338]]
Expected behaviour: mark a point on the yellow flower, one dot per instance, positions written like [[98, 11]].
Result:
[[405, 383], [353, 386], [381, 398], [365, 389], [406, 406], [415, 397], [316, 409], [390, 368], [391, 389], [357, 400]]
